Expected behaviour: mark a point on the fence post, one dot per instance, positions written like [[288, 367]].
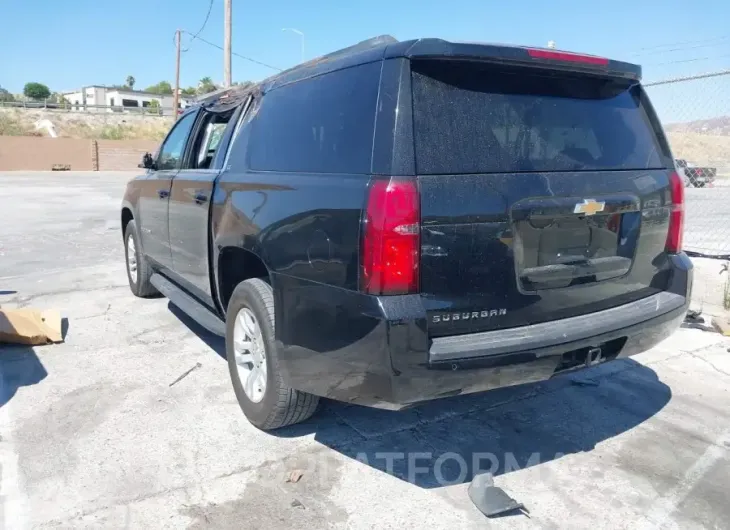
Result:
[[94, 155]]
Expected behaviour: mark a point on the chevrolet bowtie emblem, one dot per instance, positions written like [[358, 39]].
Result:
[[589, 207]]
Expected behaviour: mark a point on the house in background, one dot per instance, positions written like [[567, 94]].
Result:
[[98, 98]]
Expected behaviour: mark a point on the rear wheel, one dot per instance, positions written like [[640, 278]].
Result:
[[254, 364], [139, 271]]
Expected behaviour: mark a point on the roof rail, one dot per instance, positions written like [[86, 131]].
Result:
[[372, 42], [368, 44]]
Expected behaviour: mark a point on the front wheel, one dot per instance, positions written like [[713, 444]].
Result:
[[254, 364]]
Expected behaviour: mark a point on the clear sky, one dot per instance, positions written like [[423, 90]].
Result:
[[67, 45]]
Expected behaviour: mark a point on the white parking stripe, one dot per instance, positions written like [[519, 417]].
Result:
[[660, 513]]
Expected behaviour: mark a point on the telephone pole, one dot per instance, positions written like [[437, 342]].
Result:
[[227, 43], [176, 93]]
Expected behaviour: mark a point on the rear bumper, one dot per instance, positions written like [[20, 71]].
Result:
[[382, 355]]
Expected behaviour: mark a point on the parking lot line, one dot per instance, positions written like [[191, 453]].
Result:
[[660, 513]]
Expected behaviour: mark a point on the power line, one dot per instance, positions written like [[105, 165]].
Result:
[[202, 27], [680, 49], [693, 60], [656, 49], [233, 53]]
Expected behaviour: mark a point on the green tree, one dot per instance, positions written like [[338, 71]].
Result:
[[206, 85], [243, 84], [163, 87], [36, 91], [131, 81], [6, 96], [154, 107], [190, 91]]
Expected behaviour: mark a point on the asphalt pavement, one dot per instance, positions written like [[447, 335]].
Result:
[[94, 434]]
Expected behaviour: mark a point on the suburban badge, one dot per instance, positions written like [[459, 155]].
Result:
[[452, 317]]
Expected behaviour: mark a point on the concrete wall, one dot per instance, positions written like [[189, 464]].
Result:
[[118, 155], [38, 154], [41, 154]]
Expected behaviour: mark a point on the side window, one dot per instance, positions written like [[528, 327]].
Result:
[[208, 134], [173, 148], [319, 125]]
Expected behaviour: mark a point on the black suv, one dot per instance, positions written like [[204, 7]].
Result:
[[401, 221]]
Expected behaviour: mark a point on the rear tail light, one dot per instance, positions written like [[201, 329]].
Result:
[[567, 56], [676, 214], [391, 238]]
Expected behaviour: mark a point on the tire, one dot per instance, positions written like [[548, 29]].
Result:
[[279, 405], [140, 286]]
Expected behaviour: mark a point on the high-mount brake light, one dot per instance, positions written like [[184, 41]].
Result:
[[536, 53]]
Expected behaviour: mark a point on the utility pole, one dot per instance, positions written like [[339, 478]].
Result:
[[227, 43], [176, 93]]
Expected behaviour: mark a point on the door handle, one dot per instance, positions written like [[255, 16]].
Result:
[[163, 194], [200, 198]]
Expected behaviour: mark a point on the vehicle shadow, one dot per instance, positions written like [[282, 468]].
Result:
[[19, 366], [213, 341], [449, 441]]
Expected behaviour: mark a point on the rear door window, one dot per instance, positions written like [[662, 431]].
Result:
[[319, 125], [472, 118]]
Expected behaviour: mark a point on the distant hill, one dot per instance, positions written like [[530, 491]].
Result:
[[719, 126], [99, 126], [702, 142]]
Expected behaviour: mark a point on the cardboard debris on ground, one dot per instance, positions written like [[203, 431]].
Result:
[[31, 327], [295, 475], [722, 325]]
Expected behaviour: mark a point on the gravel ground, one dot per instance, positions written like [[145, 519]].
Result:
[[92, 434]]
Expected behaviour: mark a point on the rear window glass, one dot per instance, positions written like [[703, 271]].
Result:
[[320, 125], [471, 118]]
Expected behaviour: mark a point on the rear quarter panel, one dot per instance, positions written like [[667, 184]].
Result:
[[305, 229], [303, 226]]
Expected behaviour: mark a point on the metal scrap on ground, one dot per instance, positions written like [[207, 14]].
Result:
[[490, 499], [185, 374]]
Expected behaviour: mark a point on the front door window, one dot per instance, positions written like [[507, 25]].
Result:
[[173, 149]]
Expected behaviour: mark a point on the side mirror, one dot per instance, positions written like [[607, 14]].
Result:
[[147, 162]]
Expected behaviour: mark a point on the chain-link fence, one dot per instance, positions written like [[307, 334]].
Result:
[[695, 113]]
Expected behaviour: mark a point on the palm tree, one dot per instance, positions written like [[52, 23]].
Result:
[[131, 81], [206, 85]]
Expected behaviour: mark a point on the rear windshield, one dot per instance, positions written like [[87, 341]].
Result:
[[472, 118]]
